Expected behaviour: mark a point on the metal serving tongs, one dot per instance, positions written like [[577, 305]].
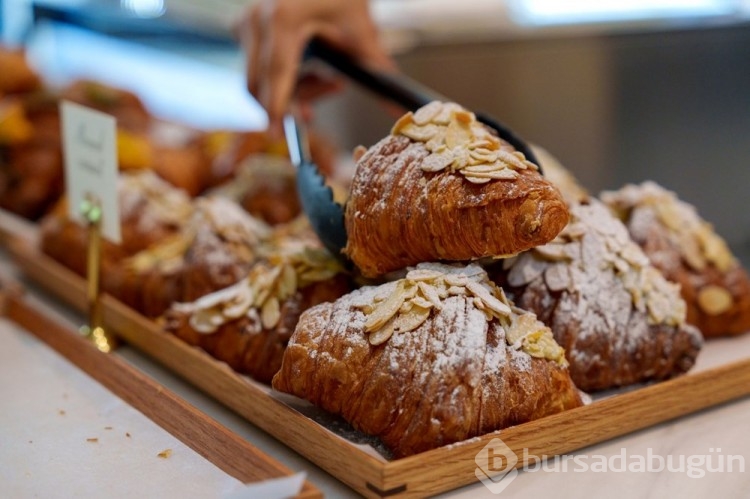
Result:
[[326, 216]]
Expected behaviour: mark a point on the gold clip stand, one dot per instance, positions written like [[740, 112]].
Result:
[[92, 212]]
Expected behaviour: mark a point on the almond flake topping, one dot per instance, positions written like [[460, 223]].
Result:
[[596, 242], [261, 294], [696, 240], [241, 233], [457, 141], [425, 288]]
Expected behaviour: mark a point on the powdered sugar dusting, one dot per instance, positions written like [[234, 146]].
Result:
[[604, 287]]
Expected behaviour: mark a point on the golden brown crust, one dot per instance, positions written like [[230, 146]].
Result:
[[400, 215], [457, 360], [714, 285]]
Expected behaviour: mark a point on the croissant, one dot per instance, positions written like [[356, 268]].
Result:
[[442, 187], [247, 325], [215, 248], [686, 249], [437, 357], [619, 320]]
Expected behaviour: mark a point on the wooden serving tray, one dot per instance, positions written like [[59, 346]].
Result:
[[370, 474]]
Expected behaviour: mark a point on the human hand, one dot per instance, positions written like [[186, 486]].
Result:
[[274, 33]]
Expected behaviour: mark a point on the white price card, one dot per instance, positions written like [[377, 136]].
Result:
[[90, 157]]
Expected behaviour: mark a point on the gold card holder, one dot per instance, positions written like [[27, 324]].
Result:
[[92, 212]]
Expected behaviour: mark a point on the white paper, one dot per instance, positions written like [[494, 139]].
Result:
[[90, 158]]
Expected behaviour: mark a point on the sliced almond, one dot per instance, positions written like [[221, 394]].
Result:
[[386, 309], [382, 334], [557, 277], [526, 269], [489, 300], [270, 313], [239, 305], [420, 133], [458, 134], [715, 300], [436, 162], [425, 114], [431, 293], [206, 321], [411, 320], [402, 122]]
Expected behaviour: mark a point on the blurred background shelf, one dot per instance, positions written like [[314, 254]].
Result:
[[618, 91]]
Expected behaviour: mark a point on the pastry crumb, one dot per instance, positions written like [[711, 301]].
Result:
[[165, 453], [127, 434], [93, 440], [107, 427], [61, 412]]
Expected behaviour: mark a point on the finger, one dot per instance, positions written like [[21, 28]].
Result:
[[251, 38], [281, 61]]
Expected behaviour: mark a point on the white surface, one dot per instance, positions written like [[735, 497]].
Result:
[[51, 410]]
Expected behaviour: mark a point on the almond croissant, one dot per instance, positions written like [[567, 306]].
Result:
[[429, 360], [686, 249], [247, 325], [619, 320], [443, 187]]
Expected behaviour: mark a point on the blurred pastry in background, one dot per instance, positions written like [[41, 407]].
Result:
[[215, 248], [125, 106], [151, 210], [685, 247], [265, 186], [248, 325], [31, 171], [239, 146], [618, 319], [16, 75]]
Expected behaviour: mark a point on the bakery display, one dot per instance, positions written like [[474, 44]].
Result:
[[248, 324], [618, 319], [435, 358], [443, 187], [418, 347], [214, 249], [688, 251]]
